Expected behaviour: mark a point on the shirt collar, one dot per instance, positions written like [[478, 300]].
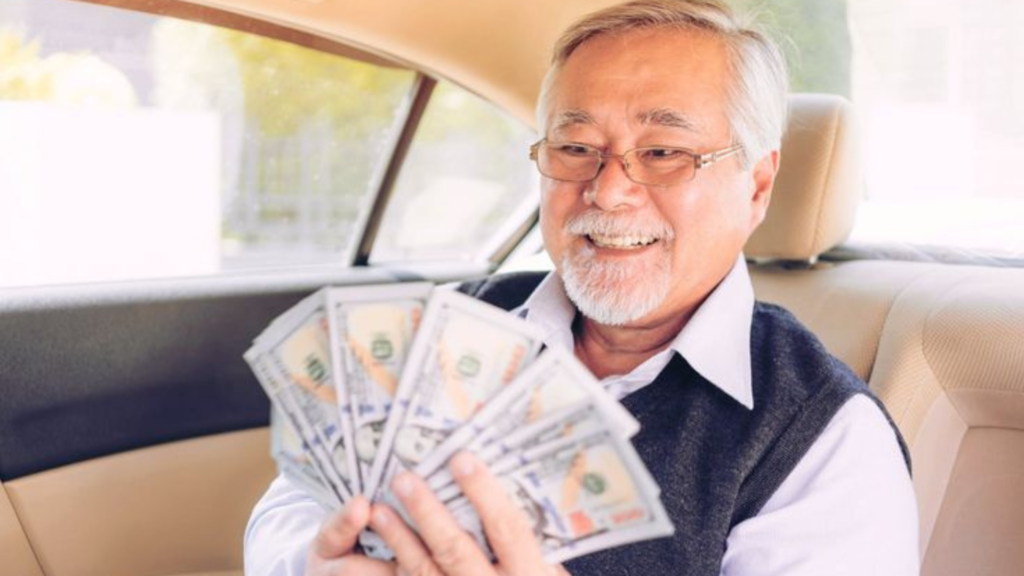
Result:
[[550, 309], [715, 342]]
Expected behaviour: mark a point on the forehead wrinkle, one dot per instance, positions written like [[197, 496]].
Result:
[[668, 118]]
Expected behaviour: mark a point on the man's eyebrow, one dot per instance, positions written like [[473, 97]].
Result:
[[667, 117], [572, 117]]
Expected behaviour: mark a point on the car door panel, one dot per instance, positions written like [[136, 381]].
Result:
[[133, 436], [87, 381], [164, 509]]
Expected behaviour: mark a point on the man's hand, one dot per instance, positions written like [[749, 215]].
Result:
[[442, 546], [330, 554]]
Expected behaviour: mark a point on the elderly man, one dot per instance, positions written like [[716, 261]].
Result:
[[662, 121]]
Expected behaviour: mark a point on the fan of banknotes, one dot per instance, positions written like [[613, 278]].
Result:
[[369, 381]]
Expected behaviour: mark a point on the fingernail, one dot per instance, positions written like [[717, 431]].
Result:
[[402, 485], [380, 519], [463, 464]]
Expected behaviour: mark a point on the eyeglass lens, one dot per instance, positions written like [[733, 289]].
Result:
[[653, 166]]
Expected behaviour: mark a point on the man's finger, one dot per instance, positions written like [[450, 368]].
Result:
[[454, 551], [356, 565], [412, 554], [338, 534], [508, 530]]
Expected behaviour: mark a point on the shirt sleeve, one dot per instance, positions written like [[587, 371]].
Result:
[[847, 509], [280, 530]]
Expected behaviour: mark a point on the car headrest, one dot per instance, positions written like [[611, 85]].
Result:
[[819, 184]]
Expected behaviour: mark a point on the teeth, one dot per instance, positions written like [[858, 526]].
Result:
[[626, 242]]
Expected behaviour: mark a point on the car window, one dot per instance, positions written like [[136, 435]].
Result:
[[139, 146], [938, 89], [142, 146], [466, 182], [944, 122]]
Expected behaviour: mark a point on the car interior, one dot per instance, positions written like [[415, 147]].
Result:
[[133, 437]]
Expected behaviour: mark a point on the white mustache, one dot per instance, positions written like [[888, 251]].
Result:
[[603, 224]]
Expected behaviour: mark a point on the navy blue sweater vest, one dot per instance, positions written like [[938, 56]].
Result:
[[716, 461]]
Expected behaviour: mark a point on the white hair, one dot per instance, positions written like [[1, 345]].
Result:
[[757, 92]]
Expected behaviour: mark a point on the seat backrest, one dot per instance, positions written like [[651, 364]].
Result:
[[942, 346], [951, 370]]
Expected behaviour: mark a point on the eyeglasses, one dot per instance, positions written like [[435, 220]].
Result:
[[650, 165]]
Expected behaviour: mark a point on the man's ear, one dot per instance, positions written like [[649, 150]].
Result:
[[763, 178]]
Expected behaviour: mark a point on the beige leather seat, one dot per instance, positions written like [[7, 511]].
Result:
[[942, 345], [813, 208], [951, 369], [174, 509]]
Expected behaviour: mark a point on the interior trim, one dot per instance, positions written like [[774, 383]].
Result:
[[260, 281], [398, 149], [249, 25]]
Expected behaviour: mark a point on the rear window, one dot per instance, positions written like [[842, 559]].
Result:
[[939, 91]]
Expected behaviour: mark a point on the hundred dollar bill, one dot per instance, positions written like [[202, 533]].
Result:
[[521, 446], [295, 462], [371, 329], [566, 427], [273, 385], [296, 348], [463, 354], [586, 495], [554, 397]]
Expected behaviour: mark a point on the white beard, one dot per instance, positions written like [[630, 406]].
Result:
[[615, 293]]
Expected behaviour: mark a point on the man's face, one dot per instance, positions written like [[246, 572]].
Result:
[[631, 254]]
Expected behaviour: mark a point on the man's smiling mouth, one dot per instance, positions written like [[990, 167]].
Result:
[[621, 242]]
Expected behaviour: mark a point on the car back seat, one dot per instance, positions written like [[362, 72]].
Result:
[[18, 557], [942, 345], [951, 369]]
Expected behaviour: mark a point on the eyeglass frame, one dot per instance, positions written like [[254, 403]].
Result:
[[699, 160]]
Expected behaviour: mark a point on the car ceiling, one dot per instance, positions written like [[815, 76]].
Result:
[[452, 39]]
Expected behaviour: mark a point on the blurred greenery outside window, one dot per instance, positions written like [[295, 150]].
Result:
[[137, 146], [814, 36]]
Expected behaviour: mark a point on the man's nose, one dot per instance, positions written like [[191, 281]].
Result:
[[612, 189]]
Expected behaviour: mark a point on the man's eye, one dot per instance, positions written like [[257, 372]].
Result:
[[662, 155], [573, 150]]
